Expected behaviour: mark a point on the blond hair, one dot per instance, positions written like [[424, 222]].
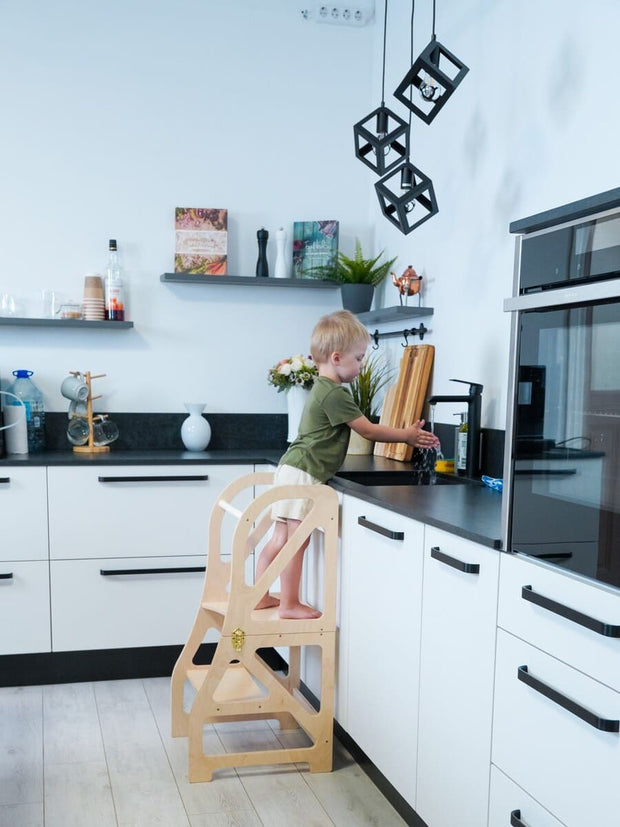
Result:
[[339, 331]]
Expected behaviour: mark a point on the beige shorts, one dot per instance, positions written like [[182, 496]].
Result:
[[292, 509]]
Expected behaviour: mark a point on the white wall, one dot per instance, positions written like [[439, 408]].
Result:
[[532, 126], [115, 112]]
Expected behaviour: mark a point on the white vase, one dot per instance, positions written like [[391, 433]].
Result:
[[296, 399], [195, 430]]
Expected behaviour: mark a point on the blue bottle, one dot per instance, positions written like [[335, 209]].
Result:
[[31, 396]]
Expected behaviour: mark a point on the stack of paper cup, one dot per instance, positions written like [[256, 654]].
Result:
[[94, 303]]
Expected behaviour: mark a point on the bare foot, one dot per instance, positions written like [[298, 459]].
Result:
[[299, 612], [268, 602]]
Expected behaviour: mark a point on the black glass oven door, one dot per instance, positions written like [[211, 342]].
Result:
[[566, 450]]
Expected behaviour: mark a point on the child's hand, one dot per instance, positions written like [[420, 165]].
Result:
[[419, 438]]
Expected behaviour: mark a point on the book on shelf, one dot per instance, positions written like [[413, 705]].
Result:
[[315, 244], [201, 241]]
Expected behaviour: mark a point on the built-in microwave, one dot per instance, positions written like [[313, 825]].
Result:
[[562, 465]]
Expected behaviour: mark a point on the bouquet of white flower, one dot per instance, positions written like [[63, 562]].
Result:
[[297, 371]]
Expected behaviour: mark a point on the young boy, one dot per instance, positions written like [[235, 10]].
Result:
[[338, 347]]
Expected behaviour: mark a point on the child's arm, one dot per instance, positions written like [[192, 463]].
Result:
[[413, 435]]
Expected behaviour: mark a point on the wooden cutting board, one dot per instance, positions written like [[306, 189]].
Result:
[[386, 415], [411, 390]]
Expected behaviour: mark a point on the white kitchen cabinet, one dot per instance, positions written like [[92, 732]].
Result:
[[116, 603], [23, 513], [548, 608], [555, 734], [510, 805], [459, 610], [24, 607], [135, 511], [380, 637]]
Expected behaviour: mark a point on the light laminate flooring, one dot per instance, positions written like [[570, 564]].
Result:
[[101, 755]]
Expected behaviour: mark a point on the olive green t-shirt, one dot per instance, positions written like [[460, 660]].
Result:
[[323, 439]]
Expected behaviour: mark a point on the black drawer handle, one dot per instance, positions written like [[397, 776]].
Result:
[[605, 629], [385, 532], [515, 819], [469, 568], [6, 576], [171, 570], [171, 478], [604, 724], [5, 480]]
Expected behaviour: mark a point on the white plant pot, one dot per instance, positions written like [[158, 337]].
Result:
[[359, 445], [296, 399]]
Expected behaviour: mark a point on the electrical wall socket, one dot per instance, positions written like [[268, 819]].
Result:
[[340, 14]]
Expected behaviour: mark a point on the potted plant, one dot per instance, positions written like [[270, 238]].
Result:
[[372, 378], [358, 277], [296, 376]]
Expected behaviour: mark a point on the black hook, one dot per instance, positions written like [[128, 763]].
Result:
[[422, 330], [375, 336], [406, 335]]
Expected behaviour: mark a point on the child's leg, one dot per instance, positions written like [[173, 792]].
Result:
[[290, 579], [270, 551]]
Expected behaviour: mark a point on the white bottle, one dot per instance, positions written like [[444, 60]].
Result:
[[280, 269], [114, 291]]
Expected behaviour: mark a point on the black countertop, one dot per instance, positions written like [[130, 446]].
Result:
[[470, 509]]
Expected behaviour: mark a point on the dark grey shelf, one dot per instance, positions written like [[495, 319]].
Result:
[[245, 281], [394, 314], [83, 323]]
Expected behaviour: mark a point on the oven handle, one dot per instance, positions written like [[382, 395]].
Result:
[[598, 626], [545, 472], [603, 724]]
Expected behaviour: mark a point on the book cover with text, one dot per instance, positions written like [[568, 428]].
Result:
[[201, 241], [315, 244]]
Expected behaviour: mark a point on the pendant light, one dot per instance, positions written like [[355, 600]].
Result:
[[382, 133], [435, 74], [406, 195]]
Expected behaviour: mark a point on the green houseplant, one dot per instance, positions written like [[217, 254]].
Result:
[[372, 378], [358, 277]]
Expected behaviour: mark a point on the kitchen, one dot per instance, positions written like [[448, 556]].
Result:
[[94, 100]]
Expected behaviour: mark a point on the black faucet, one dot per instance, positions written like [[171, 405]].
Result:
[[474, 405]]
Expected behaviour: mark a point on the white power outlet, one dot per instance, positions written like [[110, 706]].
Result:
[[342, 14]]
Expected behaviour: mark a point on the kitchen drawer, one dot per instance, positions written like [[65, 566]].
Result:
[[135, 511], [510, 805], [23, 513], [586, 649], [24, 607], [149, 607], [567, 764]]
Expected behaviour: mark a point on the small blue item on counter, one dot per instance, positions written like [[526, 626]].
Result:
[[25, 389], [494, 483]]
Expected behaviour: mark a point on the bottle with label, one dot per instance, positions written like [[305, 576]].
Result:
[[114, 290], [24, 388], [460, 446]]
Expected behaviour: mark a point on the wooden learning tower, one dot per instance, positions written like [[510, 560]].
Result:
[[238, 685]]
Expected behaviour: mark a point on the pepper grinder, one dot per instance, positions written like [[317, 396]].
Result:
[[262, 268], [280, 271]]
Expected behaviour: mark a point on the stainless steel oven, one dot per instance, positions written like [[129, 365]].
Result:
[[562, 467]]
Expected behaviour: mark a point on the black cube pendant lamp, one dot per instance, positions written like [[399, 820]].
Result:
[[407, 197], [381, 138], [435, 74]]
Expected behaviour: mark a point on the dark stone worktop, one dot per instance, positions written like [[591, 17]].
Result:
[[469, 510]]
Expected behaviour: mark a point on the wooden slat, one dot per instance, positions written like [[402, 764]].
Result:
[[386, 416], [412, 387]]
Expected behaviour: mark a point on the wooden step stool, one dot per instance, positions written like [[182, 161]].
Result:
[[239, 685]]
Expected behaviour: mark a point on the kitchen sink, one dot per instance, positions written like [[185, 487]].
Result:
[[398, 478]]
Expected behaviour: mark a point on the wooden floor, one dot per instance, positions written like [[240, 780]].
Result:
[[100, 755]]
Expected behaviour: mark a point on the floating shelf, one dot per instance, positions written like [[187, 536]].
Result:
[[245, 281], [82, 323], [394, 314]]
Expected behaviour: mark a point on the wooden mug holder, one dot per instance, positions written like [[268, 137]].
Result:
[[90, 447]]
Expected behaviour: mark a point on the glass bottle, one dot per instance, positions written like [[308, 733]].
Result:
[[460, 448], [114, 291]]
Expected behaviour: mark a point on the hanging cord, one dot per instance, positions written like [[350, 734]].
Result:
[[433, 19], [384, 46], [411, 64]]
